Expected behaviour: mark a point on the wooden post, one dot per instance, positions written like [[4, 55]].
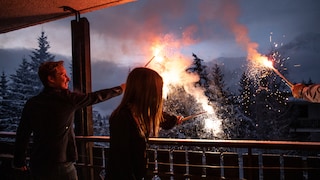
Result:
[[81, 74]]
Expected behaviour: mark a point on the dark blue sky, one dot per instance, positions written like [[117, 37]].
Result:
[[124, 35]]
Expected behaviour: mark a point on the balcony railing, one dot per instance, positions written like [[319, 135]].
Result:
[[209, 159]]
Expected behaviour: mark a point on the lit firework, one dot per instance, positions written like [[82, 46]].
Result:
[[268, 63], [172, 65]]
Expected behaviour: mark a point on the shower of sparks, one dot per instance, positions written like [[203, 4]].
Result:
[[172, 65]]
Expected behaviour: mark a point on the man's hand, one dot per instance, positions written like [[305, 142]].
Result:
[[123, 86]]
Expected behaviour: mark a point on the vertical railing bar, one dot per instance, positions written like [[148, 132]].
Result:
[[204, 163], [221, 165], [250, 164], [171, 173], [187, 174], [260, 162], [281, 160], [305, 166], [156, 168], [240, 162], [102, 173]]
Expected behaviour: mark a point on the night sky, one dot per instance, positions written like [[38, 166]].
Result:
[[122, 36]]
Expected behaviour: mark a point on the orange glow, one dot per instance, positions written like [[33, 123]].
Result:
[[257, 59], [266, 62], [157, 49]]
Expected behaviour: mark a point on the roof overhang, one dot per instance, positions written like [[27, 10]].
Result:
[[17, 14]]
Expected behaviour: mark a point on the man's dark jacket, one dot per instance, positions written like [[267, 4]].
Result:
[[49, 118]]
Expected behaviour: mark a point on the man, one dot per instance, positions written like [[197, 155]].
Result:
[[310, 93], [49, 117]]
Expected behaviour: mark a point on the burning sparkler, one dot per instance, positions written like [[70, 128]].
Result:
[[191, 116], [149, 61], [156, 51], [285, 79], [269, 64]]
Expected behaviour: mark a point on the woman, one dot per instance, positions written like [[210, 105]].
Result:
[[138, 117]]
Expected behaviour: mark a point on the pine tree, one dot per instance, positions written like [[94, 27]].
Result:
[[39, 56], [3, 85], [25, 83], [246, 105], [221, 99], [21, 89], [264, 101], [272, 117], [179, 102], [4, 102], [199, 68]]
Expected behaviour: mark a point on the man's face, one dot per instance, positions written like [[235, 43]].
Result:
[[61, 79]]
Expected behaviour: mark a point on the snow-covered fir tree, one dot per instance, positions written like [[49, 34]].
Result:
[[3, 85], [245, 103], [39, 55], [25, 82], [198, 67], [21, 89], [263, 101], [100, 124], [222, 102], [212, 84], [179, 102], [4, 102]]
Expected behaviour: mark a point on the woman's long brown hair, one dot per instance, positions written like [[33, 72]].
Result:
[[143, 95]]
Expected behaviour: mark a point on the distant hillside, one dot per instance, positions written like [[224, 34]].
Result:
[[232, 69], [11, 59]]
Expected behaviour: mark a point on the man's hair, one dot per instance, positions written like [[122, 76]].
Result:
[[46, 69]]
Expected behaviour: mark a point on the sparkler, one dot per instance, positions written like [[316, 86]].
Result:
[[149, 61], [268, 63], [285, 79], [191, 116]]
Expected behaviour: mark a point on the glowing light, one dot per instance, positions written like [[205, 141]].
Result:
[[213, 125], [157, 50], [209, 124], [266, 62]]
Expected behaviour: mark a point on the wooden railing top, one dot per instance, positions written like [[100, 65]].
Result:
[[219, 143], [297, 145]]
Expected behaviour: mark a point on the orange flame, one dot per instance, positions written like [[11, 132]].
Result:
[[264, 61], [157, 52], [267, 63]]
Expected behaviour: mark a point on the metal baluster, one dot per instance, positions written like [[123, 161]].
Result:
[[305, 166], [171, 173], [240, 162], [156, 172], [102, 173], [260, 159], [281, 159], [187, 174], [221, 165], [204, 163]]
